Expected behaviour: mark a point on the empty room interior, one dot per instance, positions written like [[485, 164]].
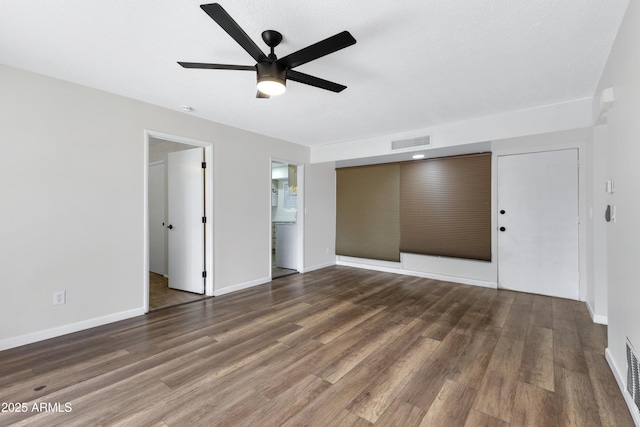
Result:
[[319, 213]]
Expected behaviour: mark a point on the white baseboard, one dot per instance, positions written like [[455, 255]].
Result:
[[258, 282], [240, 286], [317, 267], [462, 280], [623, 388], [46, 334], [596, 318]]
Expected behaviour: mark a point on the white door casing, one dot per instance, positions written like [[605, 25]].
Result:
[[185, 179], [538, 221]]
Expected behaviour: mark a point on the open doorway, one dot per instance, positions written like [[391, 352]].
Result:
[[285, 203], [179, 238]]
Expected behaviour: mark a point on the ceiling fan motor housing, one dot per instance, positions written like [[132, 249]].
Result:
[[271, 71]]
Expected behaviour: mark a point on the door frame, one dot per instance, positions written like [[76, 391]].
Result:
[[209, 205], [299, 217]]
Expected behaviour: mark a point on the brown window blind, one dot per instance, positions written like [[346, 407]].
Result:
[[368, 212], [445, 207]]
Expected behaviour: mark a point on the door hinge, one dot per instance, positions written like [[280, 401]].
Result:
[[204, 165], [204, 219], [204, 274]]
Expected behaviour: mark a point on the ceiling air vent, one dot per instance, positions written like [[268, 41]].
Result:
[[418, 142]]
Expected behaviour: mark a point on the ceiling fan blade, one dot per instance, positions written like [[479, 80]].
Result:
[[262, 95], [318, 50], [222, 18], [217, 66], [299, 77]]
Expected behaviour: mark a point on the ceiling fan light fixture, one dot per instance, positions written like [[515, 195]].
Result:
[[272, 79], [271, 87]]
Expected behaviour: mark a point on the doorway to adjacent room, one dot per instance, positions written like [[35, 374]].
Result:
[[286, 234], [179, 231]]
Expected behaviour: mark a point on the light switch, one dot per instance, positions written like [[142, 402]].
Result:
[[609, 186]]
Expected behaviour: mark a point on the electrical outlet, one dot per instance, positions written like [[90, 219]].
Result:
[[59, 297]]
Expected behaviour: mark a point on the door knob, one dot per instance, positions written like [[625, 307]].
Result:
[[170, 227], [502, 229]]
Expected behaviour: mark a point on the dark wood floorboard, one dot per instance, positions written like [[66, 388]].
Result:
[[334, 347]]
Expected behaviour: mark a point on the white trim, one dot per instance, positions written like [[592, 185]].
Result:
[[68, 328], [597, 318], [175, 138], [300, 214], [391, 265], [462, 280], [241, 286], [618, 375], [145, 226], [258, 282], [319, 267]]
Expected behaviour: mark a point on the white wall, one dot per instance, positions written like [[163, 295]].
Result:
[[622, 72], [597, 287], [71, 192], [535, 121], [158, 149], [320, 215]]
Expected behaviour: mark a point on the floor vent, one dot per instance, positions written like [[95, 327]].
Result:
[[633, 383], [402, 144]]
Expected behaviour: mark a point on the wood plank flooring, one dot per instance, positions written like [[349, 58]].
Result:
[[334, 347], [162, 296]]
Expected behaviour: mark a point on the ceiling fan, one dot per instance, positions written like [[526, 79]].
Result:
[[273, 72]]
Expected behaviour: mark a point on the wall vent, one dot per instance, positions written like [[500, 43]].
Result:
[[633, 383], [418, 142]]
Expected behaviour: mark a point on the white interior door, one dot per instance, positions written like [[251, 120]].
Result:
[[185, 212], [157, 230], [538, 223]]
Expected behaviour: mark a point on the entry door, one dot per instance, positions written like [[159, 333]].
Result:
[[157, 230], [538, 223], [185, 225]]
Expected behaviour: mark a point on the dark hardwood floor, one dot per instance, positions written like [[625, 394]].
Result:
[[333, 347]]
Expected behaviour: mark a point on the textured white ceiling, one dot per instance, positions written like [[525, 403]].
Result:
[[416, 63]]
